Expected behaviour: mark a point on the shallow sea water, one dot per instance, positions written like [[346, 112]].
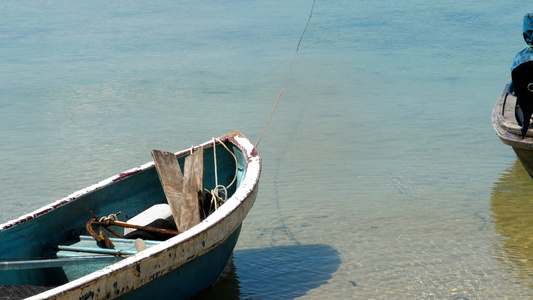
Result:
[[382, 176]]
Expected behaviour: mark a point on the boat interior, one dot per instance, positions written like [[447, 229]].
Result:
[[56, 246]]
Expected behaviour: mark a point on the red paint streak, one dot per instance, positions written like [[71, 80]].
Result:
[[254, 152], [18, 222], [62, 202], [126, 174], [41, 212]]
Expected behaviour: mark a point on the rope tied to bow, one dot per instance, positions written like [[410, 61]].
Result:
[[219, 194]]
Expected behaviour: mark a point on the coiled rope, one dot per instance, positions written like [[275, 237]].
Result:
[[216, 194]]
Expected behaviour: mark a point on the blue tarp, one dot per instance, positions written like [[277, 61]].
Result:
[[526, 54]]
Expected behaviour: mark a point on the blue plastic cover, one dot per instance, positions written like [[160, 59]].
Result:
[[526, 54]]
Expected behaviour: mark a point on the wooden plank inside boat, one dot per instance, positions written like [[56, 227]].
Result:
[[193, 183], [183, 204], [504, 114], [509, 110]]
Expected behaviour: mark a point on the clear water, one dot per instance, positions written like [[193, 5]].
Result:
[[382, 176]]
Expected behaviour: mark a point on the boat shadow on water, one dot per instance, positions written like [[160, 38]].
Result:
[[286, 271], [512, 209]]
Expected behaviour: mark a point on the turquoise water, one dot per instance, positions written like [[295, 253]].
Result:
[[382, 176]]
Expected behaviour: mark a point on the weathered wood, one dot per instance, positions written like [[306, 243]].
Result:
[[171, 178], [193, 184], [183, 192], [505, 124]]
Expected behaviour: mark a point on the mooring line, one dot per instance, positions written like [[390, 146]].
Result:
[[286, 229], [288, 74]]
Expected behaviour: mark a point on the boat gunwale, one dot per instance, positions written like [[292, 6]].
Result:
[[106, 182], [223, 218], [509, 133]]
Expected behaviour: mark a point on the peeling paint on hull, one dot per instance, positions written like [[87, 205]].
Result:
[[180, 266]]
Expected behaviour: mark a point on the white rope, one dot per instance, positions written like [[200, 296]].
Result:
[[111, 217], [216, 199]]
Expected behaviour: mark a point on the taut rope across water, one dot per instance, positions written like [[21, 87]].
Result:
[[288, 73]]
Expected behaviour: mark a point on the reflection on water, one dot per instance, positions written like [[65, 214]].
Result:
[[287, 272], [512, 207]]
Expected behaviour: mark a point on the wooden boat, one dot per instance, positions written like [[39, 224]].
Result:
[[506, 120], [49, 252]]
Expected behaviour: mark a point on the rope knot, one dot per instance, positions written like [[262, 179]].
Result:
[[111, 217]]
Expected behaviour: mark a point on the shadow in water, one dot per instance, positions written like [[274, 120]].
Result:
[[276, 272], [512, 207]]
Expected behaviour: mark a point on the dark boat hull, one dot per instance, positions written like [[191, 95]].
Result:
[[526, 158], [190, 278]]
